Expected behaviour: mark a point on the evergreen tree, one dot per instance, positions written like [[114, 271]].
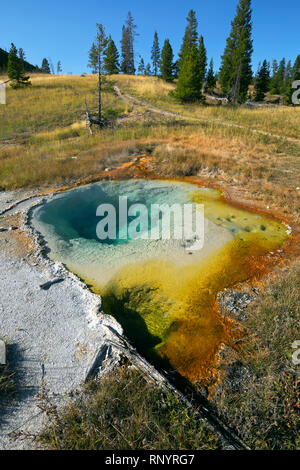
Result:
[[278, 78], [190, 38], [281, 77], [45, 66], [127, 46], [111, 58], [141, 67], [176, 69], [155, 54], [288, 74], [296, 69], [148, 70], [211, 80], [262, 81], [58, 68], [93, 63], [166, 63], [15, 69], [202, 60], [22, 55], [274, 76], [294, 76], [96, 62], [189, 84], [236, 73]]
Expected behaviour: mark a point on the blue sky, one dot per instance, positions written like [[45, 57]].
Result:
[[64, 29]]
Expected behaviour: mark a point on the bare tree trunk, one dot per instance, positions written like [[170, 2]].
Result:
[[100, 90]]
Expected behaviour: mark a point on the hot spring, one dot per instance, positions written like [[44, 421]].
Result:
[[163, 294]]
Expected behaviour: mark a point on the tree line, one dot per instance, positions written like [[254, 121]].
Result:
[[194, 74], [16, 67]]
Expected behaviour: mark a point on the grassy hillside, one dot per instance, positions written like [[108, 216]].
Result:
[[281, 120]]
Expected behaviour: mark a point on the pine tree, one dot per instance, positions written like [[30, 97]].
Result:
[[211, 80], [22, 55], [278, 78], [93, 63], [296, 69], [141, 67], [111, 58], [294, 76], [148, 70], [166, 63], [45, 66], [176, 69], [273, 77], [202, 60], [190, 38], [127, 46], [286, 79], [96, 62], [189, 84], [236, 72], [51, 66], [281, 76], [155, 54], [15, 69], [58, 68], [262, 81]]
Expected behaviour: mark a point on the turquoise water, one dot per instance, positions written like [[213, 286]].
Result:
[[68, 224], [161, 292]]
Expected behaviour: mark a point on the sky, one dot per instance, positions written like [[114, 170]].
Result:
[[64, 29]]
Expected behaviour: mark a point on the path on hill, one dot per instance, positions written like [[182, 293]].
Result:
[[136, 102]]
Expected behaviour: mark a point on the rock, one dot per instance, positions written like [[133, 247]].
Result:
[[238, 376], [236, 302]]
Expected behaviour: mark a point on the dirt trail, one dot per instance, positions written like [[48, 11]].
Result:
[[135, 102]]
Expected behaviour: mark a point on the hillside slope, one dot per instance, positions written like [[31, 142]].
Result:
[[4, 60]]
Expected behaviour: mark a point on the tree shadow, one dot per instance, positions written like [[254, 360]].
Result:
[[17, 390]]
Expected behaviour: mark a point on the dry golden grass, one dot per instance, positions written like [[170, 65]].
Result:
[[52, 101], [263, 174], [283, 121], [43, 140]]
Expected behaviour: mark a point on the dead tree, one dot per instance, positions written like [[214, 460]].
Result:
[[95, 62]]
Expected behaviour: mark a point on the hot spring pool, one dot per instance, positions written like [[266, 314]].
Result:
[[161, 292]]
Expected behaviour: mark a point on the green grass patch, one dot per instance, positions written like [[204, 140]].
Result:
[[260, 395], [124, 412]]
